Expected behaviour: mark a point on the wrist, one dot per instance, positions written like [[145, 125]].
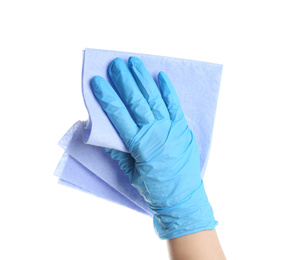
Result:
[[194, 213]]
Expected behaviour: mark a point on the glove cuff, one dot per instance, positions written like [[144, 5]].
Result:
[[192, 214]]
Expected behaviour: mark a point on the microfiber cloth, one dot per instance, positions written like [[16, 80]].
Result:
[[99, 166], [197, 86], [75, 175]]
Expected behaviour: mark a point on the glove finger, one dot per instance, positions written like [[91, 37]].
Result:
[[114, 108], [148, 88], [170, 97], [130, 93]]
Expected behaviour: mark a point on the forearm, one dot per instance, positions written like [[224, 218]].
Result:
[[202, 245]]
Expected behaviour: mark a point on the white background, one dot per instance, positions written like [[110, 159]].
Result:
[[251, 174]]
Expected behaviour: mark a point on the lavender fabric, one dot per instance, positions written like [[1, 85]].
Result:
[[97, 162], [86, 166], [73, 174]]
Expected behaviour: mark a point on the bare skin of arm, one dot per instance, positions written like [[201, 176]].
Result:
[[202, 245]]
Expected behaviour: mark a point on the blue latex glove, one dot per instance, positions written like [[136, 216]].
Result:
[[163, 163]]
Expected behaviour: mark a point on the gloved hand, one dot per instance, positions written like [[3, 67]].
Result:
[[163, 163]]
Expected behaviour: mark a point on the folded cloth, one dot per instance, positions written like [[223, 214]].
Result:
[[75, 175], [197, 85], [99, 163]]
